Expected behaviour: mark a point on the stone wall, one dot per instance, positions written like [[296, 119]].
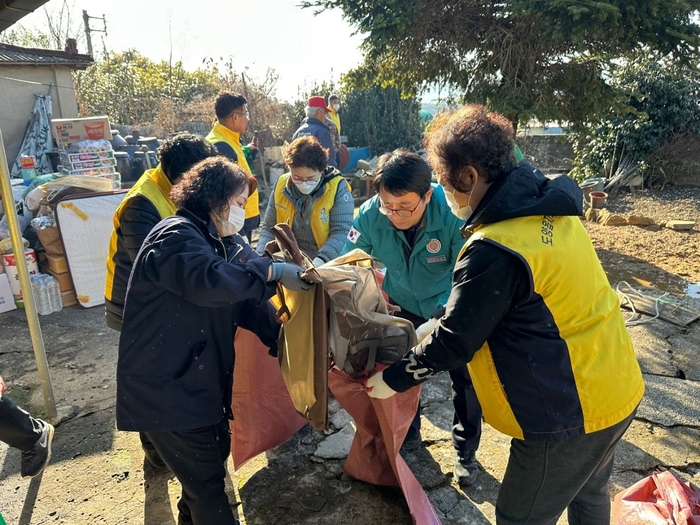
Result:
[[549, 153]]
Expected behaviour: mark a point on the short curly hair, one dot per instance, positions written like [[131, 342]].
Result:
[[179, 152], [209, 186], [470, 136], [306, 152]]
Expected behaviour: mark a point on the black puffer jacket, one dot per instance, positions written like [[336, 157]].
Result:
[[183, 304]]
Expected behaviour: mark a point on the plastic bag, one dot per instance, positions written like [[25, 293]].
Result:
[[659, 499]]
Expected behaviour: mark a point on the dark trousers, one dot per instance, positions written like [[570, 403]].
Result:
[[17, 428], [543, 479], [466, 420], [197, 457]]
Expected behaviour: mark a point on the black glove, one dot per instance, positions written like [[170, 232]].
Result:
[[287, 274]]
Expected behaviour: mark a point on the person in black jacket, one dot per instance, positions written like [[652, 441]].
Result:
[[144, 206], [183, 304]]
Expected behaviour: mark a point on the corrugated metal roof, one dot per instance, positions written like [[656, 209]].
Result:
[[22, 56], [13, 10]]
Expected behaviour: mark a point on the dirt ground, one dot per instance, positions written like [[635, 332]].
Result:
[[97, 473], [652, 255]]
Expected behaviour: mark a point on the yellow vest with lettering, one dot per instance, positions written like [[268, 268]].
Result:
[[220, 133], [566, 273], [320, 210]]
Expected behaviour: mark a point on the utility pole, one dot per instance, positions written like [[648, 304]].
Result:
[[88, 29]]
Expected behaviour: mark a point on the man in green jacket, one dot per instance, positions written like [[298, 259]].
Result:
[[409, 227]]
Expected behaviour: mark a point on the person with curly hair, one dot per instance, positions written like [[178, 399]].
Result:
[[533, 314], [185, 299], [314, 199], [144, 206]]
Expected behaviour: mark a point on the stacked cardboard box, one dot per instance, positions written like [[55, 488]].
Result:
[[82, 143], [57, 266]]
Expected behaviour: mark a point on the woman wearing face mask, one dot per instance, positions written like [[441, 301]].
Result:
[[314, 199], [183, 304], [533, 314]]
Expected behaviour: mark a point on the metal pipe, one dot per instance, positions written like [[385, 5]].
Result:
[[26, 285]]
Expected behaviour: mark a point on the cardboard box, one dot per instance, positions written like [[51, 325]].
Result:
[[89, 164], [56, 263], [7, 301], [66, 130], [68, 298], [102, 171], [65, 283], [84, 157], [50, 239]]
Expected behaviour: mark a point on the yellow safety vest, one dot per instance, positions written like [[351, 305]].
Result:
[[220, 133], [567, 275], [333, 115], [320, 210], [155, 186]]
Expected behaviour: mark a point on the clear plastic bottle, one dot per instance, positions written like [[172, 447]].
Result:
[[54, 294], [40, 292]]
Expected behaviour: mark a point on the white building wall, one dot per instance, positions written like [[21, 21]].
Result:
[[18, 84]]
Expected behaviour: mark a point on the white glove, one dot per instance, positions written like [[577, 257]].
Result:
[[377, 388], [425, 329], [318, 262]]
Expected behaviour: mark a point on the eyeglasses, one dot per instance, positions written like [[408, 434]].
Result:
[[299, 179], [400, 212], [246, 114]]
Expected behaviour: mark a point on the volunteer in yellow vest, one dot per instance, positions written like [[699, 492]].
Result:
[[146, 204], [314, 199], [232, 119], [533, 314], [333, 107]]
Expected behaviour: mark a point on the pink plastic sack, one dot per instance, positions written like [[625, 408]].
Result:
[[659, 499], [264, 414], [381, 426]]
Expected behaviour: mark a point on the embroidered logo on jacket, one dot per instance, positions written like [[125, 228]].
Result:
[[434, 246]]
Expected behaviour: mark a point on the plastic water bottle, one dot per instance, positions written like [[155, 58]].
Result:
[[47, 294], [40, 292], [55, 301]]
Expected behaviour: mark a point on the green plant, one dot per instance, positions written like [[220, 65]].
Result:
[[657, 99]]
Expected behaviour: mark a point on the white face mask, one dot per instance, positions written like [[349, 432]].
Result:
[[336, 107], [236, 218], [461, 212], [306, 187]]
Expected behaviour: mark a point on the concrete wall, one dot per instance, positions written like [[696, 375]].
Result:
[[17, 99]]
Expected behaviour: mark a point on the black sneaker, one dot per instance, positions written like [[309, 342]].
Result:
[[412, 443], [466, 469], [35, 460]]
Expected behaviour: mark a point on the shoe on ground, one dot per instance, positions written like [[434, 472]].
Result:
[[34, 461], [412, 443], [466, 469], [155, 460]]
